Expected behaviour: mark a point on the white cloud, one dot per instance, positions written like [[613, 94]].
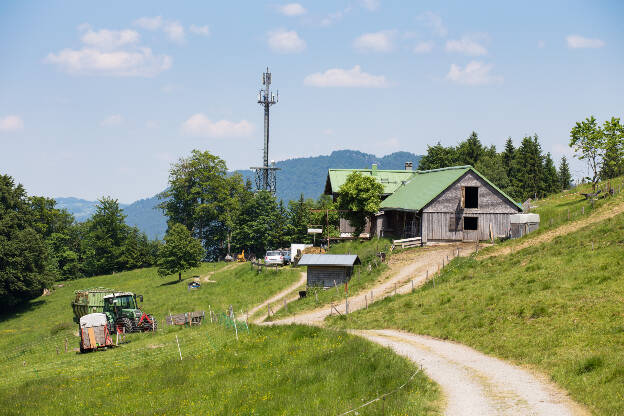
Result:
[[337, 77], [200, 30], [292, 9], [11, 123], [329, 132], [563, 150], [475, 73], [174, 31], [335, 16], [370, 5], [376, 42], [114, 120], [576, 42], [140, 62], [149, 23], [109, 39], [151, 124], [423, 47], [284, 41], [199, 125], [434, 22], [467, 45], [541, 44]]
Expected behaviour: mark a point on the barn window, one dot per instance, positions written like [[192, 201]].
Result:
[[471, 196], [471, 223]]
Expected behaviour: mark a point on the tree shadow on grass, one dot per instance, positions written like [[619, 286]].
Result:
[[172, 282], [20, 309]]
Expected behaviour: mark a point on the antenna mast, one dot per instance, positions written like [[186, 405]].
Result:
[[265, 175]]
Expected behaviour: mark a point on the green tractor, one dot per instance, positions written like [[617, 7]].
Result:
[[123, 313], [121, 309]]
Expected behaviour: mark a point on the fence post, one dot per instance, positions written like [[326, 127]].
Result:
[[268, 310], [366, 300], [65, 344], [412, 284], [235, 328], [180, 351], [395, 288]]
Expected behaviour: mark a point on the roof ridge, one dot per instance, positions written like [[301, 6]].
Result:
[[446, 168]]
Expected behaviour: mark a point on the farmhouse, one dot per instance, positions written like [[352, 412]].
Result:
[[327, 270], [449, 204]]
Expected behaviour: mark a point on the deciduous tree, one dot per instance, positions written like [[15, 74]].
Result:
[[360, 197], [180, 252]]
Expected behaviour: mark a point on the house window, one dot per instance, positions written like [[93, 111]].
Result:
[[471, 196], [471, 223]]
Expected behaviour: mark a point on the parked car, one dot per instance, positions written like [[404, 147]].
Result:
[[287, 256], [274, 257]]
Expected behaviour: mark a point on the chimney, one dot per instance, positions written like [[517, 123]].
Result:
[[409, 166], [374, 169]]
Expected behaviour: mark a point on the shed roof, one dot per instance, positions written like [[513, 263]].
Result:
[[390, 179], [345, 260], [425, 185]]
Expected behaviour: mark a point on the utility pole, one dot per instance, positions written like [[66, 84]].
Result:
[[327, 211], [265, 175]]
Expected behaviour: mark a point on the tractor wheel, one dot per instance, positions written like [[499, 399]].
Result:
[[127, 324]]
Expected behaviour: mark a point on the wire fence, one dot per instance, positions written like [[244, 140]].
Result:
[[58, 355]]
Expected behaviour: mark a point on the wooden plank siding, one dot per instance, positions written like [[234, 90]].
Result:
[[443, 217], [327, 276]]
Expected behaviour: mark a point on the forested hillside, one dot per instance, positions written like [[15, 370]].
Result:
[[296, 176]]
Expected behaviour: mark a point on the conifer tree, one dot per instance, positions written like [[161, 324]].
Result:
[[565, 178]]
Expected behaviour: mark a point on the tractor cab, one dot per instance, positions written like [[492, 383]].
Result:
[[122, 311]]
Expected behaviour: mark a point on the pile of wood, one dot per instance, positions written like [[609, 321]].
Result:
[[191, 318], [406, 243], [313, 250]]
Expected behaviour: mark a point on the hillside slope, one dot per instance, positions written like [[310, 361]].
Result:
[[209, 369], [557, 306]]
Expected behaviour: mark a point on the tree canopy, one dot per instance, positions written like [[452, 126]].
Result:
[[180, 252], [360, 197]]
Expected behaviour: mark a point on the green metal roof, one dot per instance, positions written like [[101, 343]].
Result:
[[390, 179], [424, 186]]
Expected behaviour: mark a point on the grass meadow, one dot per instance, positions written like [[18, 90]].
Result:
[[291, 370], [557, 307]]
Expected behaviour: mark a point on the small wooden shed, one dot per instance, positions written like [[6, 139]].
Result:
[[327, 270]]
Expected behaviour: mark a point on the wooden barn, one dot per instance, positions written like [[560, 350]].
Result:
[[327, 270], [449, 204]]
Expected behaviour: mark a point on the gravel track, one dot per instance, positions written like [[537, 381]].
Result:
[[475, 384]]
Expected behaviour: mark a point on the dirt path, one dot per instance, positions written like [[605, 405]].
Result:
[[600, 215], [474, 383], [207, 276], [278, 296], [404, 267]]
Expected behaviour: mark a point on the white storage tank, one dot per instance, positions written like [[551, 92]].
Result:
[[522, 224]]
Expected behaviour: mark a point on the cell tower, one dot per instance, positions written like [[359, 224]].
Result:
[[265, 175]]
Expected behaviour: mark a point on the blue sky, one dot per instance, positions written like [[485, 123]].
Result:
[[99, 98]]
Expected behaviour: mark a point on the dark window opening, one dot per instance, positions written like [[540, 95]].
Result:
[[472, 197], [471, 223]]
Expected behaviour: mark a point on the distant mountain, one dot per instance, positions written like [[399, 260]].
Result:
[[296, 176], [81, 208], [306, 175], [144, 215]]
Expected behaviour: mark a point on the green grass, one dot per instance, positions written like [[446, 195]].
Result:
[[291, 370], [570, 205], [557, 307], [363, 277], [239, 286]]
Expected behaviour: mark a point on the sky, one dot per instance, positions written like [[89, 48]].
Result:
[[99, 98]]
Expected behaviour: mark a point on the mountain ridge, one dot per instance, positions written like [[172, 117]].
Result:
[[296, 176]]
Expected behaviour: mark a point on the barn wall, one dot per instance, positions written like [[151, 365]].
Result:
[[443, 217], [437, 226], [490, 200], [324, 276]]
